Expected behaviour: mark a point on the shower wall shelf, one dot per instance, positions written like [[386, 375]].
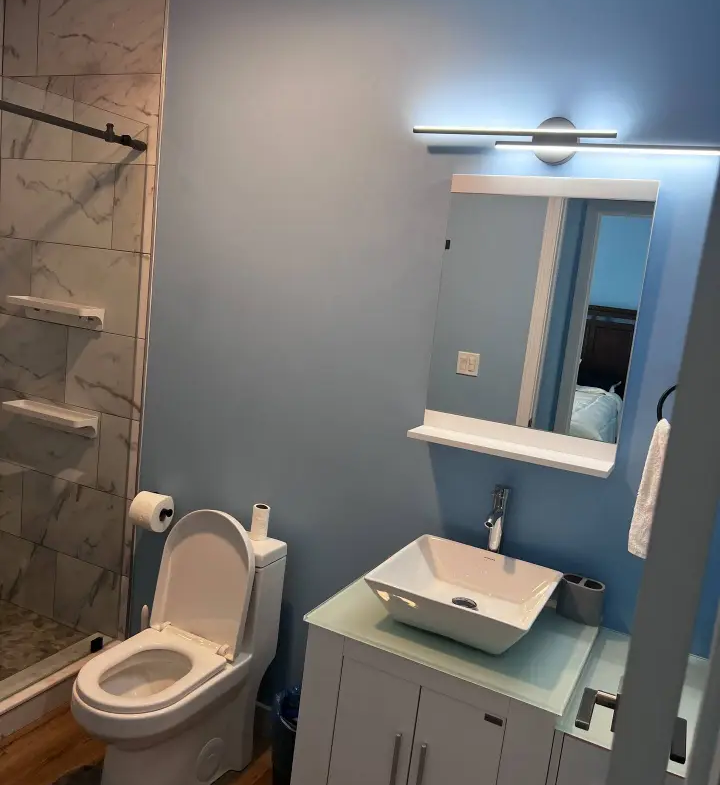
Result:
[[74, 314], [54, 416]]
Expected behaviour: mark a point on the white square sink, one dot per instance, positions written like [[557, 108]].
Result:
[[471, 595]]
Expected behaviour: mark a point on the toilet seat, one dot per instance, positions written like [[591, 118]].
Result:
[[150, 671]]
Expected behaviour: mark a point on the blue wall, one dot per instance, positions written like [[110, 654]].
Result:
[[620, 257], [486, 298], [299, 244]]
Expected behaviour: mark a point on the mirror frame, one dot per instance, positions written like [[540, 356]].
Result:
[[512, 441]]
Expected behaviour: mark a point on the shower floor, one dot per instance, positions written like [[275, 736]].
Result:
[[26, 638]]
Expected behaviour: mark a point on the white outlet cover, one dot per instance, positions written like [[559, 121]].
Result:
[[468, 363]]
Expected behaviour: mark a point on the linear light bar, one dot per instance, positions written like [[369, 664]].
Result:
[[637, 149], [590, 133]]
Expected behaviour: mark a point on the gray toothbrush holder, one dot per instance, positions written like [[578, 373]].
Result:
[[581, 599]]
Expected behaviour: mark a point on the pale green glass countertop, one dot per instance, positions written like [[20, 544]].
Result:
[[604, 670], [541, 670]]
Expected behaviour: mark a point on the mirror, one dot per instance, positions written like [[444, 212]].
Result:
[[538, 305]]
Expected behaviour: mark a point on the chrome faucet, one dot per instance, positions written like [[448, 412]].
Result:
[[495, 520]]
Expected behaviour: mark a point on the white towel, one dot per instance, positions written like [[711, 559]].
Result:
[[647, 494]]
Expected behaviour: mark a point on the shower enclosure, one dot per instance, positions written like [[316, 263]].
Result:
[[74, 272]]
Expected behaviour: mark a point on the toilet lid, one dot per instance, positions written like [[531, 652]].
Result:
[[206, 578]]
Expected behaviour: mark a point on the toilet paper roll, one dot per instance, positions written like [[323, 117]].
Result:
[[152, 511], [260, 520]]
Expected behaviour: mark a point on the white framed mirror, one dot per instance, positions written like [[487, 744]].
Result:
[[540, 294]]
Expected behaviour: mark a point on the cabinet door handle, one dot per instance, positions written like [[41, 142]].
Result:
[[395, 758], [421, 764]]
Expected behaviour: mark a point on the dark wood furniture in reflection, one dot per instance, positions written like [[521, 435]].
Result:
[[607, 347]]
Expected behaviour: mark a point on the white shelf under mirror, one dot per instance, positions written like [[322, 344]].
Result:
[[73, 314], [554, 450], [54, 416]]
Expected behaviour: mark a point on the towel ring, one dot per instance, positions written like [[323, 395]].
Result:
[[662, 400]]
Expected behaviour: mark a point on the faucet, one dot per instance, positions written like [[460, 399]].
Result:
[[495, 520]]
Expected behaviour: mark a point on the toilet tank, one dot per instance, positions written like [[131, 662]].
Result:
[[263, 620]]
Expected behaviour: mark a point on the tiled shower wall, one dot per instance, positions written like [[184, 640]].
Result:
[[75, 225]]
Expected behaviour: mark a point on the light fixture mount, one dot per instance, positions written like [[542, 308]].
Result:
[[556, 125]]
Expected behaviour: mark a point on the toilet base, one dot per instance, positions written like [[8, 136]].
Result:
[[219, 741]]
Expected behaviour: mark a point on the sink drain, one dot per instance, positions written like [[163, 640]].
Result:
[[464, 602]]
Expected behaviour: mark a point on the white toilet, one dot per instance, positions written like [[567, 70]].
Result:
[[176, 702]]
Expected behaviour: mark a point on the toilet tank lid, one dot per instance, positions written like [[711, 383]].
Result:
[[268, 551]]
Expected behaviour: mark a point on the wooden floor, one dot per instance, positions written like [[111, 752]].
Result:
[[43, 752]]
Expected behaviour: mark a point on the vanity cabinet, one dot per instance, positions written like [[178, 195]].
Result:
[[455, 743], [582, 763], [387, 728], [374, 727], [388, 704]]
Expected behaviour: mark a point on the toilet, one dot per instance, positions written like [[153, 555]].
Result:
[[176, 702]]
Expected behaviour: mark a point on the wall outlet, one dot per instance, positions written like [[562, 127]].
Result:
[[468, 363]]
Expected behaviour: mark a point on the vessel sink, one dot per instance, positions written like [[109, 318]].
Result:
[[471, 595]]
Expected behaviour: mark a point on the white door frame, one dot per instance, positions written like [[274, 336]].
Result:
[[541, 310], [596, 210], [682, 531]]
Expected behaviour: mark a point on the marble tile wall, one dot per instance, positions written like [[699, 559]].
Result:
[[75, 225]]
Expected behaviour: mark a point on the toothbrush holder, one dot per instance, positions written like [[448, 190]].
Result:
[[581, 599]]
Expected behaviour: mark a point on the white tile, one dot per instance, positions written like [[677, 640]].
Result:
[[143, 298], [25, 138], [57, 201], [135, 96], [100, 373], [149, 216], [74, 520], [123, 606], [133, 460], [60, 85], [45, 449], [138, 378], [21, 37], [27, 574], [130, 190], [15, 271], [32, 357], [89, 276], [101, 36], [128, 541], [11, 494], [86, 596], [115, 447], [88, 148]]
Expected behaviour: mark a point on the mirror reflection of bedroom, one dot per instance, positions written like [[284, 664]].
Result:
[[536, 318]]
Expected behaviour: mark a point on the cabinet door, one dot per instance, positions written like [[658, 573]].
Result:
[[373, 727], [585, 764], [455, 743]]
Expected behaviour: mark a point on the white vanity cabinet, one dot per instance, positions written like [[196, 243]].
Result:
[[374, 727], [387, 704], [582, 763], [387, 728], [582, 757], [455, 742]]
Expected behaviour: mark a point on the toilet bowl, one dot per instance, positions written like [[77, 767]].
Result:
[[175, 703]]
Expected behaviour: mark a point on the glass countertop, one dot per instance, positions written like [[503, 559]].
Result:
[[605, 669], [542, 669]]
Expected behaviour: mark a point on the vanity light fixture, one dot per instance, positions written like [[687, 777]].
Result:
[[553, 135], [459, 130], [556, 141], [568, 150]]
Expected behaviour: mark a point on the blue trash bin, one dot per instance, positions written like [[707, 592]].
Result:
[[284, 729]]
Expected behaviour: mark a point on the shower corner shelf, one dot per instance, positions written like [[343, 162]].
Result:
[[73, 314], [53, 416]]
